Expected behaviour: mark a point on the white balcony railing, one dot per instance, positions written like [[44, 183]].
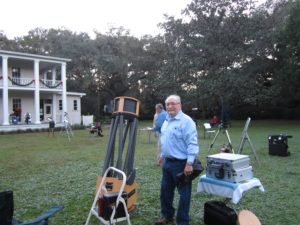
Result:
[[52, 84], [30, 83], [20, 82]]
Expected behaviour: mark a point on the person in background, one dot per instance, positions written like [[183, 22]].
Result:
[[99, 129], [159, 118], [18, 113], [51, 127], [214, 121], [155, 117], [179, 149], [27, 118]]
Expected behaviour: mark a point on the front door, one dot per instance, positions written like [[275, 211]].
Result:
[[47, 111]]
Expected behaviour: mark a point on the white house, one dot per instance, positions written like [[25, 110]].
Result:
[[35, 84]]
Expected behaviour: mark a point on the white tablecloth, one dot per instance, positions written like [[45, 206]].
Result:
[[234, 191]]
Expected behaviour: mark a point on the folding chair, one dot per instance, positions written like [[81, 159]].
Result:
[[42, 219], [7, 210], [207, 129]]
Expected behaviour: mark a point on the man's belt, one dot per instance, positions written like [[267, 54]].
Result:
[[171, 159]]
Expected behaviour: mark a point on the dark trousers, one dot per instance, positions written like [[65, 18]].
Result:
[[168, 185]]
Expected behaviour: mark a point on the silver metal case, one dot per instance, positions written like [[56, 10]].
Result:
[[229, 167], [228, 160], [233, 176]]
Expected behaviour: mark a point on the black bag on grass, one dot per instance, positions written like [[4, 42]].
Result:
[[6, 207], [217, 213]]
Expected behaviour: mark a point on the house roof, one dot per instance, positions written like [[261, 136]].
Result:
[[76, 94], [22, 55]]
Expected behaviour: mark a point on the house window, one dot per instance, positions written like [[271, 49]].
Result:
[[48, 109], [60, 104], [75, 105], [15, 75], [16, 103]]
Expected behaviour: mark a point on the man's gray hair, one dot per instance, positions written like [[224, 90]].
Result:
[[176, 97], [160, 106]]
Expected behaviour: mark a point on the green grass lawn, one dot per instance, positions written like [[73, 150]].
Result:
[[44, 171]]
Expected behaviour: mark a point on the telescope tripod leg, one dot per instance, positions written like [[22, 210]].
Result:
[[213, 141], [229, 141], [252, 148]]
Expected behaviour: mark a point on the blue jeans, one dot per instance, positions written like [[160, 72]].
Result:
[[168, 184]]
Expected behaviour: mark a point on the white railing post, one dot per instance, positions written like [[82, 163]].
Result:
[[64, 89]]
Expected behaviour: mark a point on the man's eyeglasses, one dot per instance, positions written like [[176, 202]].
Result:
[[171, 103]]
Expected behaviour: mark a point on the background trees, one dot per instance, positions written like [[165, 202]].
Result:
[[220, 53], [287, 70]]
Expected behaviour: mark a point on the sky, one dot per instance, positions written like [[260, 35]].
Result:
[[140, 17]]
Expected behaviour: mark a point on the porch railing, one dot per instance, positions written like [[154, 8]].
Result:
[[30, 83], [56, 84], [21, 82]]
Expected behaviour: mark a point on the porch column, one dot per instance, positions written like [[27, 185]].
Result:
[[54, 107], [45, 77], [37, 92], [5, 91], [53, 76], [54, 99], [64, 89]]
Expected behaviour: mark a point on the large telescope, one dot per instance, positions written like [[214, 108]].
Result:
[[120, 148]]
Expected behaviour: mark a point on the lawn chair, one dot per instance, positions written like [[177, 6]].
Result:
[[207, 129], [7, 210], [92, 129], [96, 129]]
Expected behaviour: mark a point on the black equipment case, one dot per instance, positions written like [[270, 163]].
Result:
[[6, 207], [278, 144], [217, 213]]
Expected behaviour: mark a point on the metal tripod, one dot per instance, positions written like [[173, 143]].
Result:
[[245, 137], [217, 134]]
